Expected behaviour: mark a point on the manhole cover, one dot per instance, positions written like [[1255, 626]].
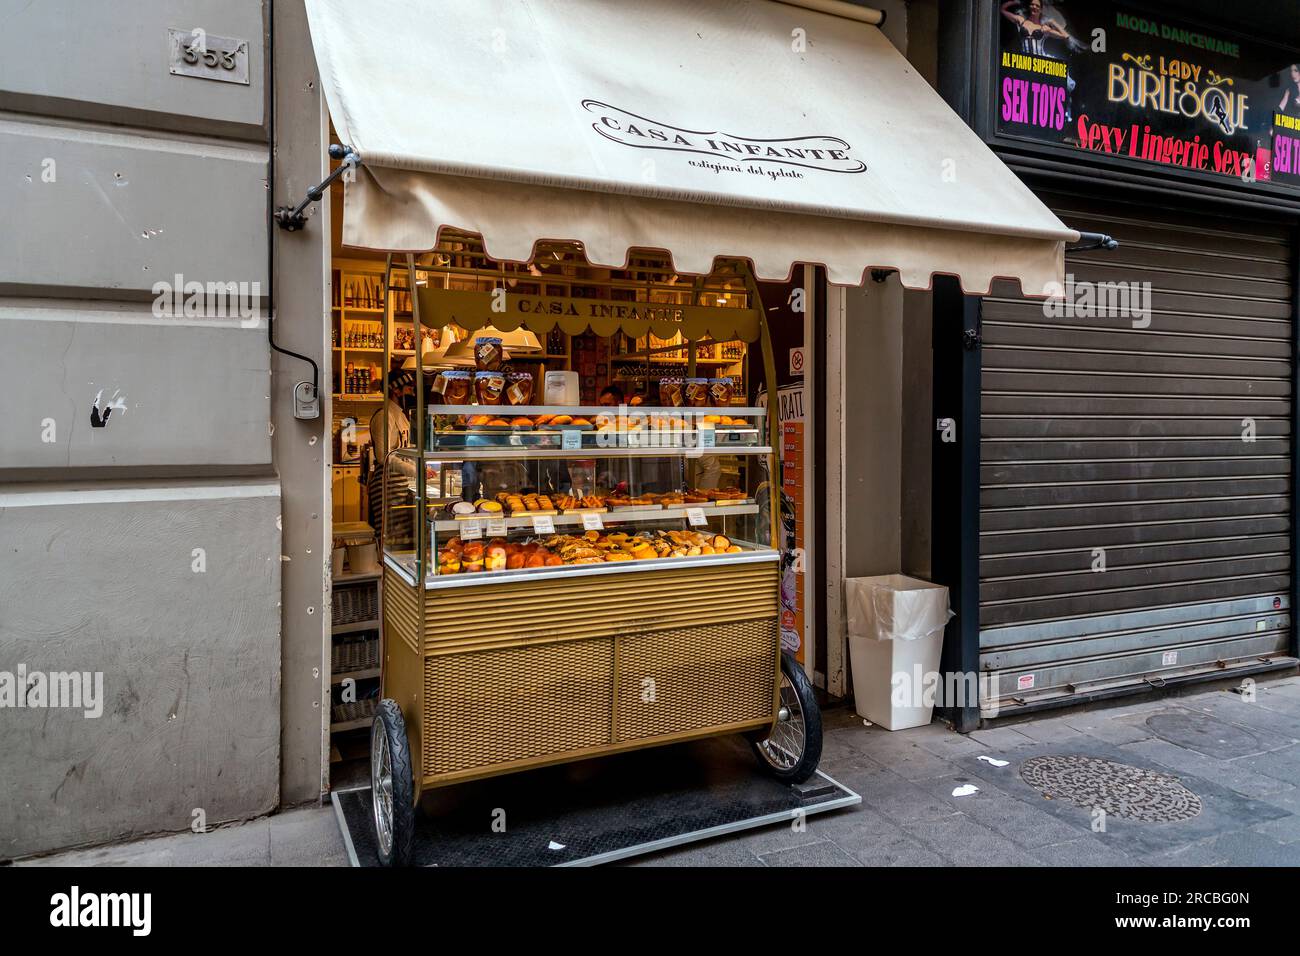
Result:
[[1131, 793]]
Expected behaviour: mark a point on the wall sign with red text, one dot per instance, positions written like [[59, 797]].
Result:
[[1108, 79]]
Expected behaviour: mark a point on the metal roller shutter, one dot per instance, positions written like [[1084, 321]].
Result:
[[1102, 441]]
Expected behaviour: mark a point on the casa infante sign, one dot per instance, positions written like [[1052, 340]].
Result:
[[726, 152]]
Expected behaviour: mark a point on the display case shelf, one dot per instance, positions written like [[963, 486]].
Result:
[[596, 410], [404, 565], [575, 520], [556, 453]]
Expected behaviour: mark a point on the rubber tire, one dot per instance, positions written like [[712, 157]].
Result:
[[389, 715], [812, 722]]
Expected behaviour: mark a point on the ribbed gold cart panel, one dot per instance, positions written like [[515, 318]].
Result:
[[403, 673], [526, 674], [713, 675]]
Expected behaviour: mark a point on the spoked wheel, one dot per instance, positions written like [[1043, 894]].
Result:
[[392, 787], [793, 749]]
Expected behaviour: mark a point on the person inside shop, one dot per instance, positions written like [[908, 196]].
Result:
[[611, 396], [390, 429]]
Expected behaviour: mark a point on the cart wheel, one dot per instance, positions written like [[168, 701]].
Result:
[[392, 788], [794, 747]]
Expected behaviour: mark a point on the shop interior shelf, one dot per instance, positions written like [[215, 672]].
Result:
[[349, 577], [339, 677], [342, 725]]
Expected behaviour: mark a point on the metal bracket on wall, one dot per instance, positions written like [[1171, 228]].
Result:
[[970, 339], [293, 218], [1093, 240]]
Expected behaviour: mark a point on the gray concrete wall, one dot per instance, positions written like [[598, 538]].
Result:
[[165, 589], [147, 550], [887, 430], [873, 427], [301, 448]]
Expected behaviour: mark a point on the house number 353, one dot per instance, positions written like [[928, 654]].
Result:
[[191, 54], [205, 56]]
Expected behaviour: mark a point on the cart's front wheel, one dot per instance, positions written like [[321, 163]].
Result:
[[392, 787], [794, 747]]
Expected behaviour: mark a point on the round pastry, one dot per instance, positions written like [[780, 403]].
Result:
[[562, 420], [521, 422], [490, 507], [535, 560], [479, 419], [721, 543], [463, 508], [498, 422], [582, 422], [552, 560], [618, 556], [515, 561], [734, 549]]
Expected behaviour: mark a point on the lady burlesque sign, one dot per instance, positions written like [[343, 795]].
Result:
[[1146, 88]]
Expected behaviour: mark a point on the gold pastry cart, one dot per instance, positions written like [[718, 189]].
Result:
[[555, 586]]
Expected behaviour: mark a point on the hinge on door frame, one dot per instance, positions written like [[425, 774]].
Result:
[[970, 339]]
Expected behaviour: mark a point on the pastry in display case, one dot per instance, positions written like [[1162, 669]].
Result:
[[562, 492]]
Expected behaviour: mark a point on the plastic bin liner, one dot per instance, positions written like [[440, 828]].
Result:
[[894, 607]]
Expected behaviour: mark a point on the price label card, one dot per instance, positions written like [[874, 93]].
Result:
[[708, 437], [591, 521], [469, 530], [542, 524], [696, 516], [570, 439], [496, 527]]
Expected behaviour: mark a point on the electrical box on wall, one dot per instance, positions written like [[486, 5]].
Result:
[[306, 401]]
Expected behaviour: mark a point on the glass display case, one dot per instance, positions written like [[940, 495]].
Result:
[[577, 490]]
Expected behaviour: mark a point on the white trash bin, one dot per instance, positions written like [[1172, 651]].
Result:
[[896, 626]]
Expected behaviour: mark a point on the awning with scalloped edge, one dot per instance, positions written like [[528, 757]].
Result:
[[755, 129]]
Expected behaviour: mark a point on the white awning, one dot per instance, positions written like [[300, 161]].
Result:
[[756, 129]]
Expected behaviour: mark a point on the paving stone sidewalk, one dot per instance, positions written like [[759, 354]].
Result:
[[1242, 759]]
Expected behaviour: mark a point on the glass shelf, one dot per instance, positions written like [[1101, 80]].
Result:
[[594, 431]]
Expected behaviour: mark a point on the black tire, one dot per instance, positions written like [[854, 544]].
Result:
[[802, 729], [396, 798]]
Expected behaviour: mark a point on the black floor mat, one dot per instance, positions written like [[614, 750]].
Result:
[[597, 811]]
